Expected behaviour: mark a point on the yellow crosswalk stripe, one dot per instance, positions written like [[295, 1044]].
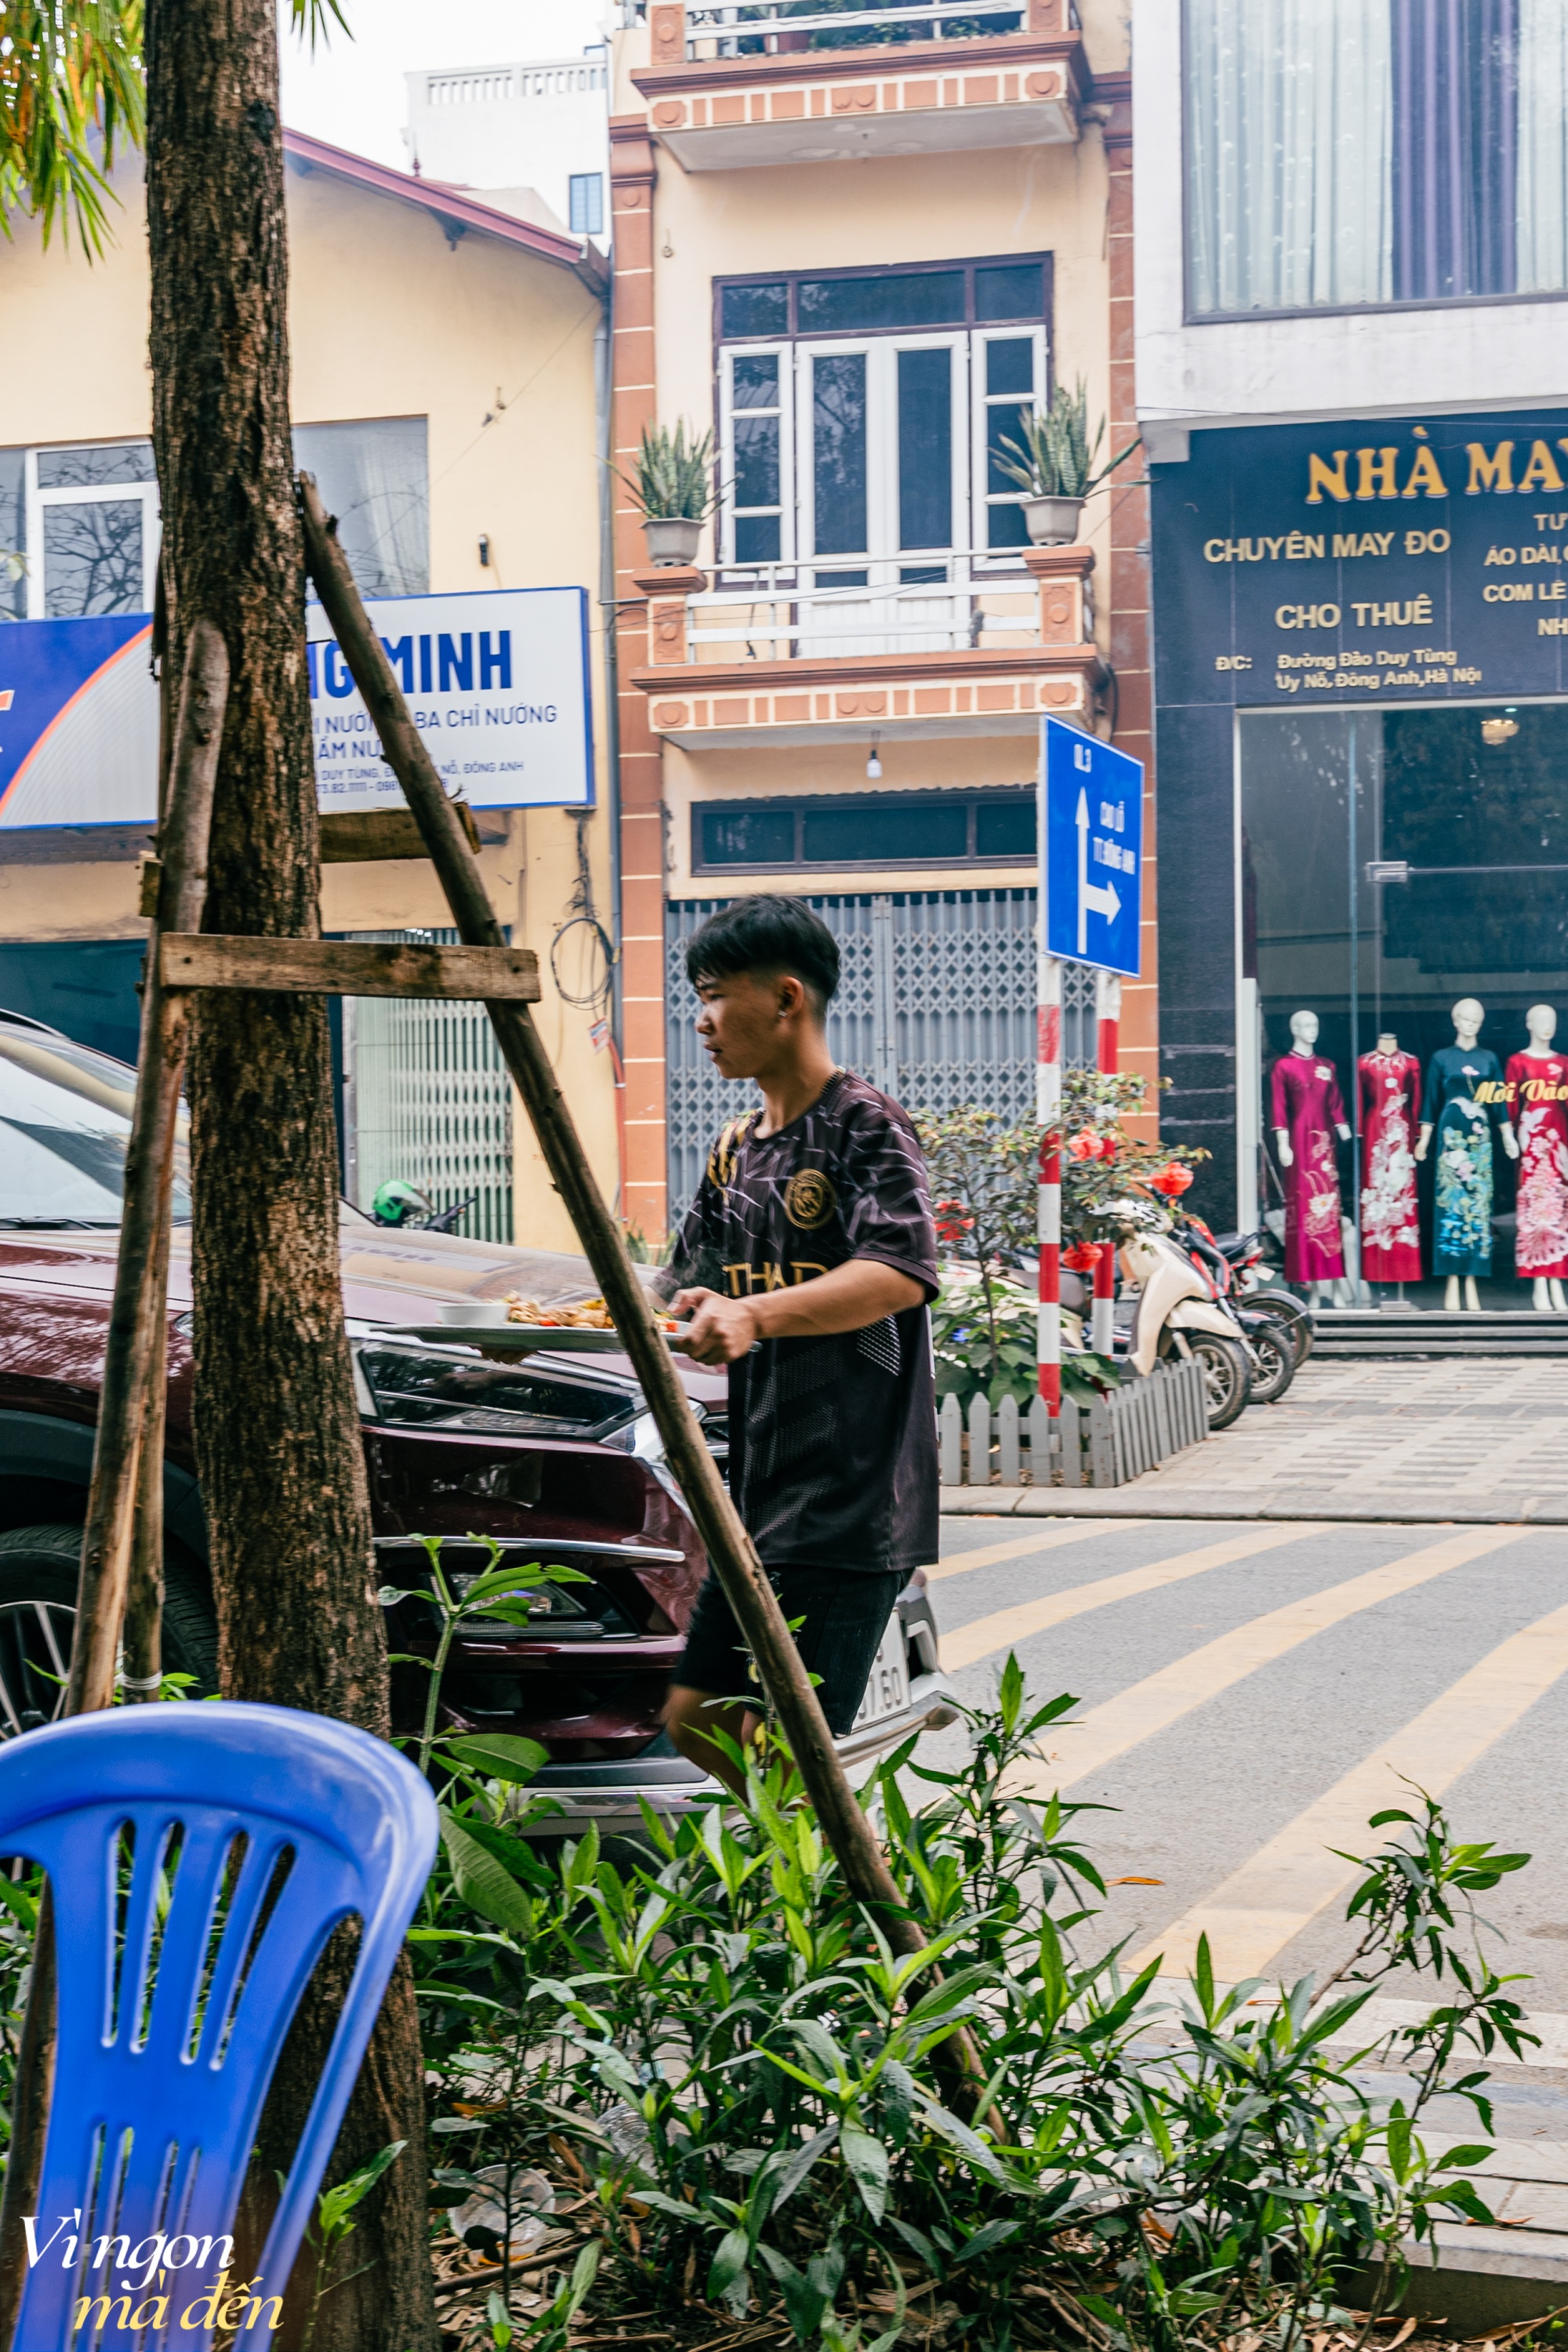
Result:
[[1045, 1538], [1152, 1705], [1265, 1905], [1005, 1627]]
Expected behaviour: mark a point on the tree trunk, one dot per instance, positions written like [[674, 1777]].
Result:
[[277, 1431]]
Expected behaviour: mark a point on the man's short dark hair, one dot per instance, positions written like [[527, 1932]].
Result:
[[768, 934]]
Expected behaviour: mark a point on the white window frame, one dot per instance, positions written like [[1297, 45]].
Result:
[[972, 500], [783, 352], [37, 503], [984, 499]]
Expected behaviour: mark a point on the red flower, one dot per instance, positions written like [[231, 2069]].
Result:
[[1087, 1145], [1083, 1256], [951, 1225], [1173, 1181]]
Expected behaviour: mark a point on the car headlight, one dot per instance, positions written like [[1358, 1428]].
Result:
[[459, 1389]]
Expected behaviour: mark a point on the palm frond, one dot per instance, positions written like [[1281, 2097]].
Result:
[[72, 88], [313, 20]]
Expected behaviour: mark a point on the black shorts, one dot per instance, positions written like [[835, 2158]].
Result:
[[845, 1615]]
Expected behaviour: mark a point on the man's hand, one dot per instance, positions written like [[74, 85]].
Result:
[[853, 1295], [720, 1330]]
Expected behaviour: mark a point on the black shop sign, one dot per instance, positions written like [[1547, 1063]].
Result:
[[1323, 564]]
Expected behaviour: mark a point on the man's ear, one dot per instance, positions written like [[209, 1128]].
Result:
[[791, 996]]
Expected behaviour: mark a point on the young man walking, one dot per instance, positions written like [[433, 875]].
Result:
[[809, 1261]]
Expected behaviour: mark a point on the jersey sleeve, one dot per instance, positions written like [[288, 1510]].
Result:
[[887, 1212], [694, 1258]]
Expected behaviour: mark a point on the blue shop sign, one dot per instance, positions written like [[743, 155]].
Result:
[[1346, 563]]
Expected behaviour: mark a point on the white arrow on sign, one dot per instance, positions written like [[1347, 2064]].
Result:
[[1096, 897]]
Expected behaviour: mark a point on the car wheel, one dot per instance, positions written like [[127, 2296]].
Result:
[[1273, 1358], [38, 1568], [1227, 1382]]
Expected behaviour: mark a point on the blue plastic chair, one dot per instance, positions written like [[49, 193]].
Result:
[[175, 2001]]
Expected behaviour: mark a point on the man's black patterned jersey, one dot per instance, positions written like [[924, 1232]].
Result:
[[833, 1459]]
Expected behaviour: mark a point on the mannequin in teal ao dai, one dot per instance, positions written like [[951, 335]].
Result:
[[1466, 1096]]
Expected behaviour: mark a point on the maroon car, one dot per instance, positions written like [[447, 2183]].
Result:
[[553, 1454]]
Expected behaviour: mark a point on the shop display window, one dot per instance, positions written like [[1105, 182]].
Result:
[[1399, 870]]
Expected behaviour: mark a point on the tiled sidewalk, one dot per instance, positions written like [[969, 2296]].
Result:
[[1453, 1439]]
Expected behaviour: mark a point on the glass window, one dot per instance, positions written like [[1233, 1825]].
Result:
[[749, 314], [93, 558], [1011, 363], [894, 297], [374, 475], [925, 448], [756, 397], [1350, 152], [1394, 864], [65, 1123], [1014, 290], [893, 833], [838, 452], [884, 445], [13, 535], [755, 836], [1006, 829], [92, 468], [586, 200], [884, 829]]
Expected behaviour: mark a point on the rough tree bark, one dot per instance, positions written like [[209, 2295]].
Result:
[[277, 1431]]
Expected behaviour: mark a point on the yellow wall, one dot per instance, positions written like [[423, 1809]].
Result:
[[387, 319]]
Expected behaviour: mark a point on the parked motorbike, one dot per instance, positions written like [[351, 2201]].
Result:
[[1268, 1338], [1178, 1313], [1244, 1253], [406, 1206]]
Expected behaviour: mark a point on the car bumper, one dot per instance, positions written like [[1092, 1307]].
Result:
[[611, 1795]]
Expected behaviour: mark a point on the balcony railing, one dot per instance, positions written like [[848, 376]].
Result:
[[775, 26], [780, 612]]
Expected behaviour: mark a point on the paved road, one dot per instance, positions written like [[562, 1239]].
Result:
[[1250, 1695]]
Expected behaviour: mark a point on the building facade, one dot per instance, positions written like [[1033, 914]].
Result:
[[1351, 341], [855, 247], [533, 135], [439, 345]]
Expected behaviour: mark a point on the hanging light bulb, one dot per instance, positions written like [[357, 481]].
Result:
[[874, 765]]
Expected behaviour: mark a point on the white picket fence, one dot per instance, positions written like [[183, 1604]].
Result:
[[1103, 1444]]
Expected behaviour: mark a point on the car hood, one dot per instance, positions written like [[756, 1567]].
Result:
[[389, 1278]]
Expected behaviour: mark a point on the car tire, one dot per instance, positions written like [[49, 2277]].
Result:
[[1228, 1380], [39, 1571]]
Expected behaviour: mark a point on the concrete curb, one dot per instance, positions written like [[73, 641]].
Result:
[[1136, 1502]]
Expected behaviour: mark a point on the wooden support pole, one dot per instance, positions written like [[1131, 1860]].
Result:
[[138, 1308], [347, 967], [132, 1359], [728, 1547]]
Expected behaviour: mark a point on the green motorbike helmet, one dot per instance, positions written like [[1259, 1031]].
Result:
[[399, 1205]]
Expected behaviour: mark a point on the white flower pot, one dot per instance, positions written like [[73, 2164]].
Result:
[[671, 538], [1052, 522]]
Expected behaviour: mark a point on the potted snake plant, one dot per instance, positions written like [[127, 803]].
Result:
[[674, 487], [1055, 463]]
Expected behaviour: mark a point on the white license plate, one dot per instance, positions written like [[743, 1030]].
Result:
[[888, 1692]]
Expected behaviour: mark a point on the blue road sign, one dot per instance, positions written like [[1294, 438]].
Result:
[[1091, 849]]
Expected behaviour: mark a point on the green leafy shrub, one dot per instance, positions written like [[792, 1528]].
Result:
[[718, 2054]]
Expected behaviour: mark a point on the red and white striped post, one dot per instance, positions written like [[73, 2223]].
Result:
[[1048, 1114], [1107, 1023]]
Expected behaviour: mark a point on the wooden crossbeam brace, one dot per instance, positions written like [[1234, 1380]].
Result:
[[349, 968]]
